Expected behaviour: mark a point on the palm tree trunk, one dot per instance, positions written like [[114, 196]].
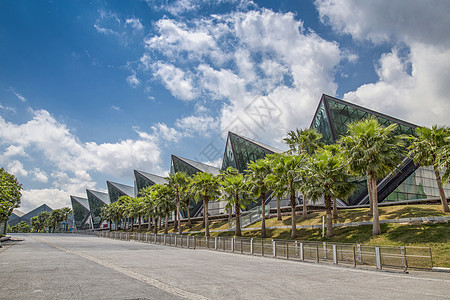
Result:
[[117, 224], [278, 209], [330, 232], [263, 219], [204, 219], [445, 207], [156, 225], [132, 223], [188, 213], [205, 204], [304, 208], [335, 213], [159, 222], [376, 217], [238, 216], [166, 230], [230, 214], [175, 219], [124, 224], [149, 227], [139, 222], [179, 216], [67, 224], [369, 190], [293, 219], [110, 225]]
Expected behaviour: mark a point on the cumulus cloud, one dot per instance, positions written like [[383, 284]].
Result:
[[54, 198], [132, 80], [16, 168], [73, 160], [175, 80], [39, 175], [274, 69], [412, 86], [203, 125]]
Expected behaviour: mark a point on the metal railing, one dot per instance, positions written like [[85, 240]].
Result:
[[356, 255], [251, 216]]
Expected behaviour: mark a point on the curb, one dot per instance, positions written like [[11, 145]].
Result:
[[5, 238], [440, 269]]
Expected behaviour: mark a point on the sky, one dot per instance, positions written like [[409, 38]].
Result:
[[91, 90]]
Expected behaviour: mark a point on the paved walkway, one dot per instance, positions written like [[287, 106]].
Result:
[[46, 266]]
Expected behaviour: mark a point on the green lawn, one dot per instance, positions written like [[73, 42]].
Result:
[[435, 236]]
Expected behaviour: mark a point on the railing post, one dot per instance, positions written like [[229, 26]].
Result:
[[251, 246], [262, 247], [195, 244], [378, 257], [354, 256], [359, 253], [404, 260], [302, 254], [242, 249], [164, 239], [325, 250], [215, 243], [335, 257], [287, 250], [187, 241], [274, 248], [317, 252], [233, 240], [176, 241]]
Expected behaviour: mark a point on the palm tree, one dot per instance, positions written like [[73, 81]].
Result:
[[329, 180], [374, 151], [276, 180], [123, 205], [302, 142], [427, 150], [206, 186], [289, 165], [233, 187], [67, 212], [256, 179], [56, 217], [179, 183], [163, 197], [186, 198], [43, 216]]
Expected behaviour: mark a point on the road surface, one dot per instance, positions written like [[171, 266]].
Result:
[[58, 266]]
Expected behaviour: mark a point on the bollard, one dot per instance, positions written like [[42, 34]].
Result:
[[251, 246], [274, 249], [335, 257], [378, 257], [359, 252]]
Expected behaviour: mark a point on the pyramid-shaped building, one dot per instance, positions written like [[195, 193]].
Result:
[[81, 212], [143, 179], [408, 182], [96, 200]]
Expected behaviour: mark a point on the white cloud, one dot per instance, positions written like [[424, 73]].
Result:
[[54, 198], [16, 168], [415, 86], [166, 133], [116, 108], [134, 23], [65, 152], [132, 80], [13, 150], [7, 108], [203, 125], [176, 80], [39, 175], [18, 95]]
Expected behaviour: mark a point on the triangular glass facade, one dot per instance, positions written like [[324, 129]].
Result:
[[331, 119], [81, 212], [144, 179], [116, 190], [191, 167], [240, 151], [96, 201]]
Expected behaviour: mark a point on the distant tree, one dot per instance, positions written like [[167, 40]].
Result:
[[23, 227], [56, 217], [35, 223], [374, 151], [42, 217], [9, 194], [67, 211], [428, 149]]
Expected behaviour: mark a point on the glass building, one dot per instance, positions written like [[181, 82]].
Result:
[[81, 212], [96, 200], [117, 190], [191, 167], [239, 151], [144, 179], [407, 183], [20, 216]]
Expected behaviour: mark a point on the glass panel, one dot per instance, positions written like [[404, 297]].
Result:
[[181, 166], [80, 213], [419, 185], [142, 182], [228, 158], [95, 205], [320, 123], [114, 193], [247, 152]]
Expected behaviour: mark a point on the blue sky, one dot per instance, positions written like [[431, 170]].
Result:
[[90, 91]]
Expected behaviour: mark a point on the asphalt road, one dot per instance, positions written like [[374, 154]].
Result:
[[46, 266]]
